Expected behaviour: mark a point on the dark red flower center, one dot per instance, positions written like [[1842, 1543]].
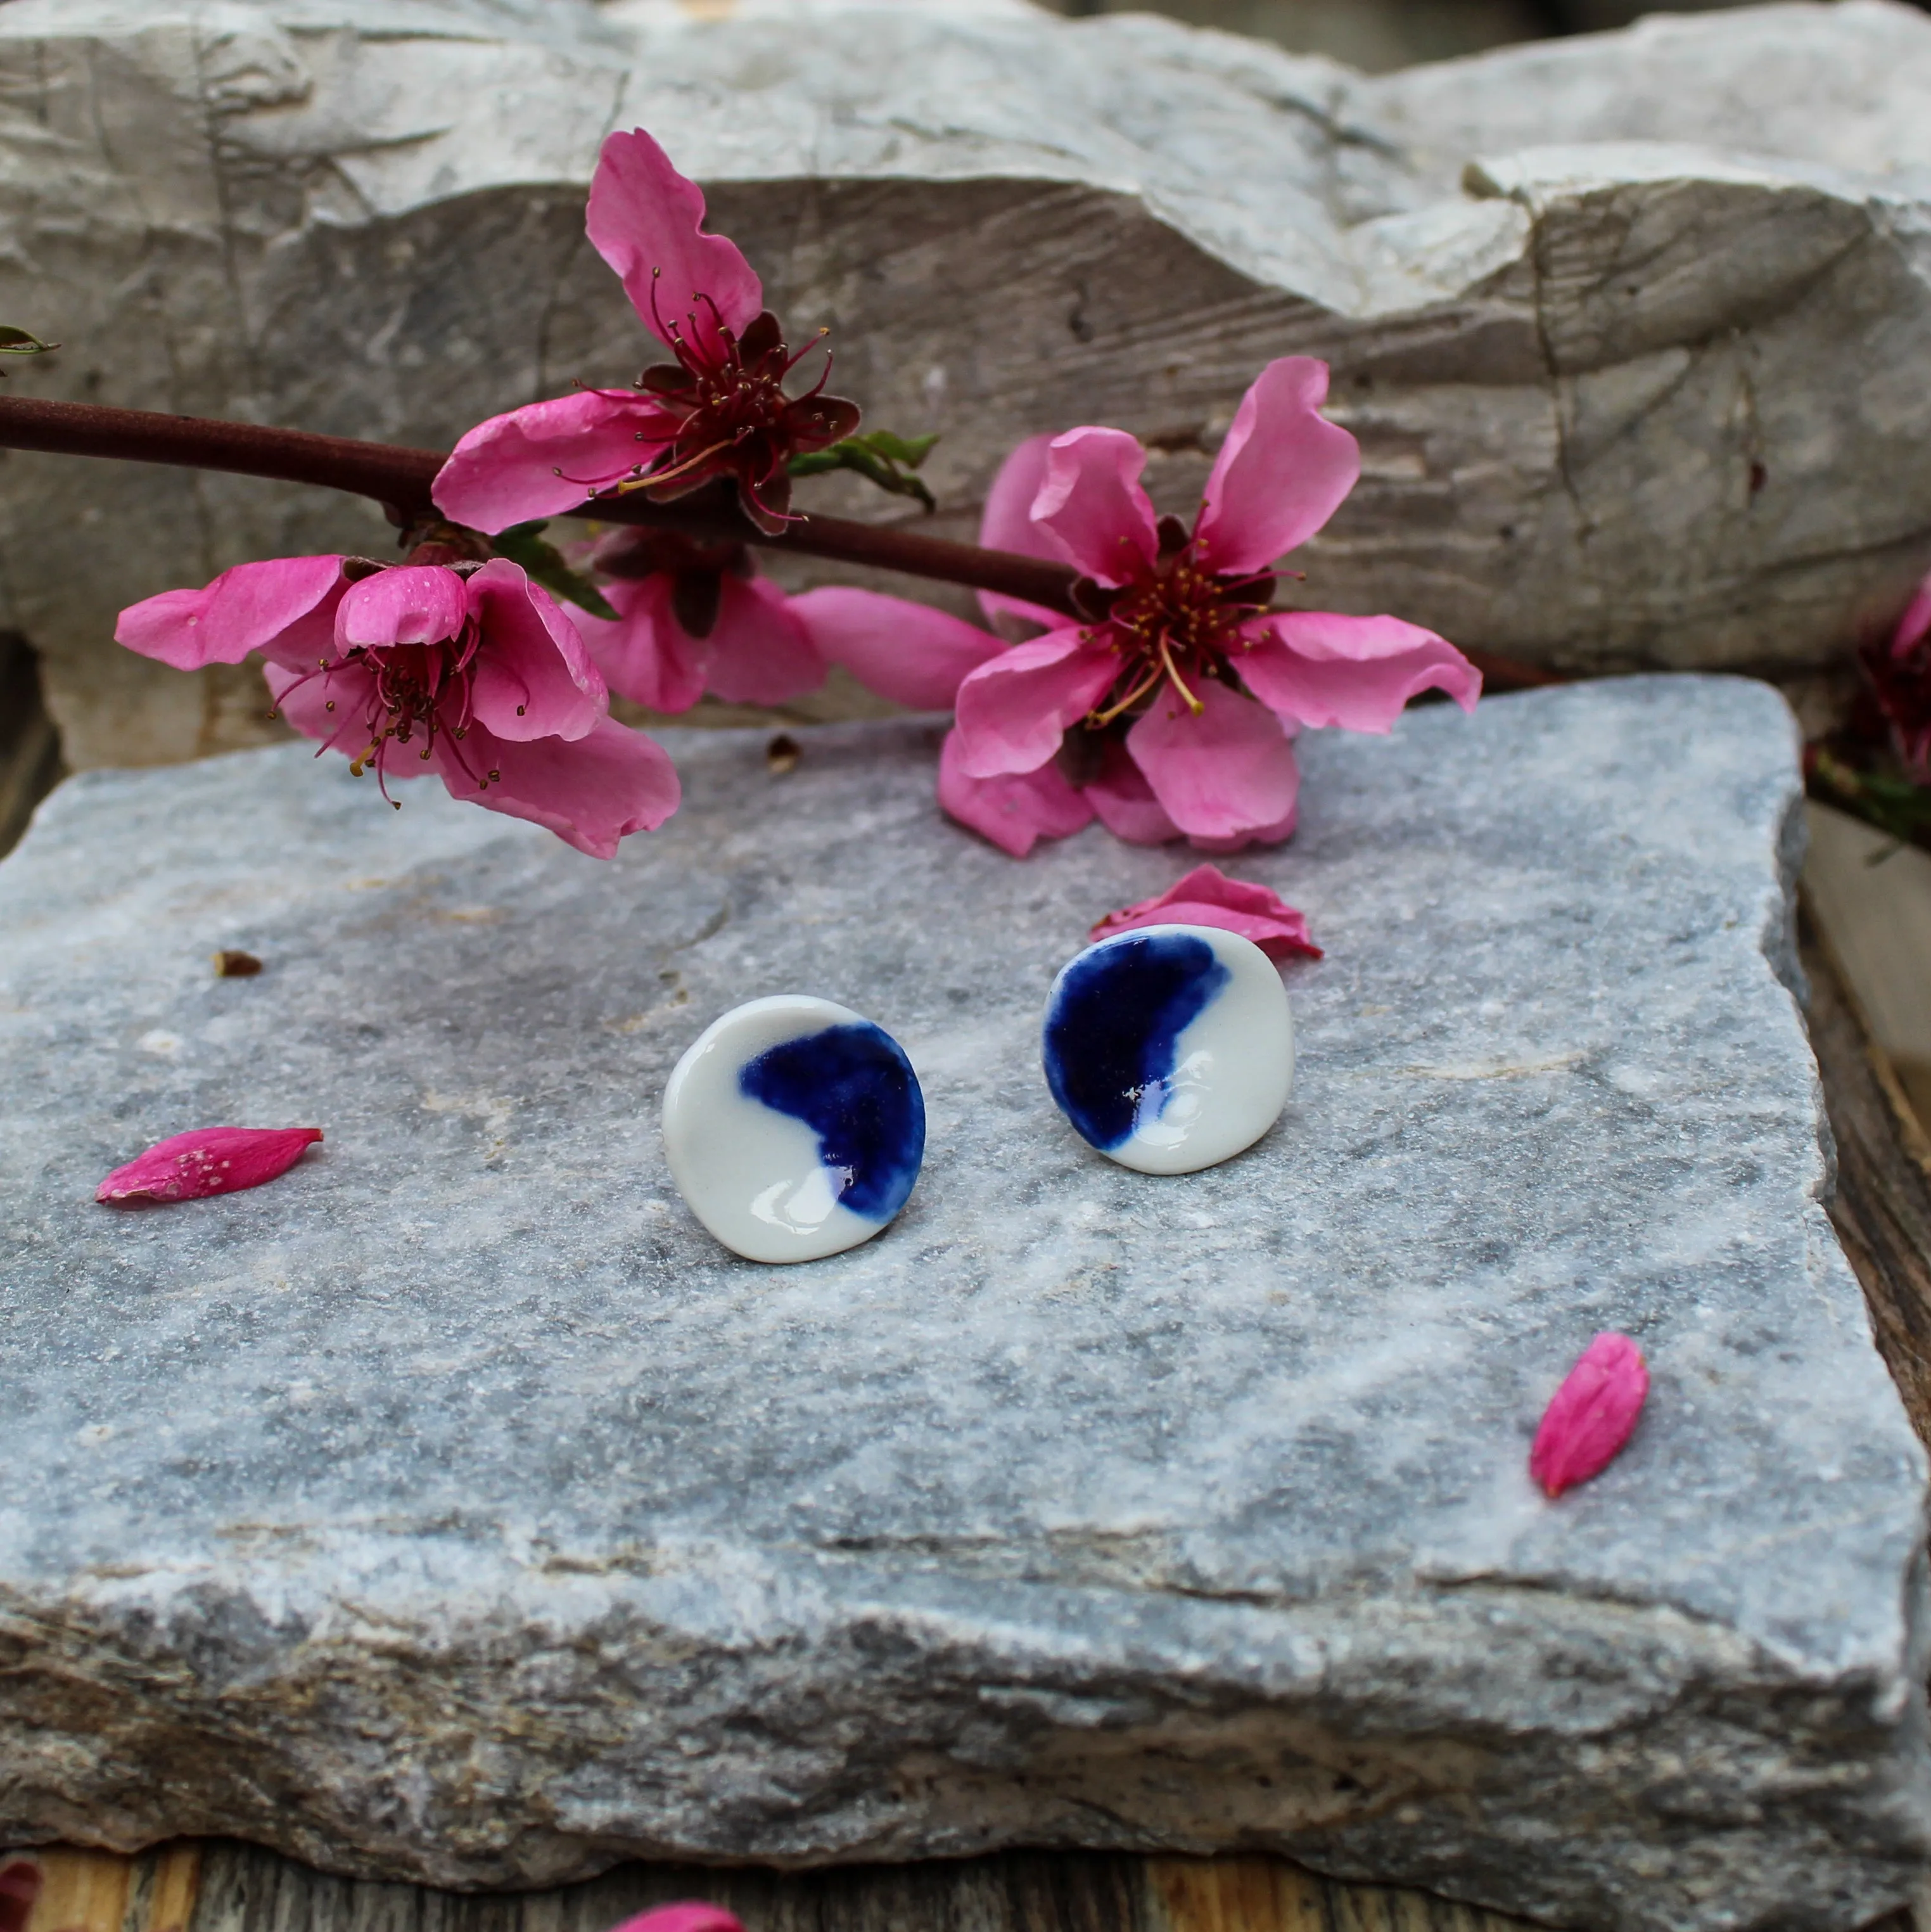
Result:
[[1174, 623], [1902, 686]]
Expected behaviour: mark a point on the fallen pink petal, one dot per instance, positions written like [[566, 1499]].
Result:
[[688, 1914], [1206, 896], [1591, 1415], [208, 1160]]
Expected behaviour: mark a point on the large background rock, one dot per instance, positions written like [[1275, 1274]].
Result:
[[1623, 401], [454, 1508]]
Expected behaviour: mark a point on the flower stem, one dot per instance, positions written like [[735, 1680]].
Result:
[[399, 478]]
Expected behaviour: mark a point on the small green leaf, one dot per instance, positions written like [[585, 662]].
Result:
[[879, 456], [18, 342], [523, 544]]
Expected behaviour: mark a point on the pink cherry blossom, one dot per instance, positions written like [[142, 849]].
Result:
[[1192, 685], [1591, 1415], [1206, 896], [689, 1915], [717, 411], [470, 671], [694, 617], [208, 1160], [1900, 675]]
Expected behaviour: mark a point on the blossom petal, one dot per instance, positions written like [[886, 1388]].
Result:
[[591, 791], [760, 650], [547, 458], [1007, 524], [688, 1914], [908, 653], [1356, 672], [286, 604], [645, 654], [208, 1160], [1227, 773], [1091, 505], [1206, 896], [1912, 627], [534, 677], [1280, 475], [412, 604], [1591, 1415], [1014, 810], [1123, 801], [1013, 709], [646, 221]]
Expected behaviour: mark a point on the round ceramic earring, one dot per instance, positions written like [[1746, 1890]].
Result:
[[794, 1128], [1169, 1048]]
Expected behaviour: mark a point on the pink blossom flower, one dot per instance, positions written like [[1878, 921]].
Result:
[[689, 1915], [1900, 675], [1171, 710], [1591, 1415], [694, 617], [470, 671], [1206, 896], [717, 411], [208, 1160]]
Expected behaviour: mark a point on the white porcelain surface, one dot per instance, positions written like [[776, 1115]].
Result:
[[773, 1185], [1170, 1048]]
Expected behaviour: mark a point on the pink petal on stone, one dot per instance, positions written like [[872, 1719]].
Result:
[[1280, 474], [1225, 773], [688, 1914], [534, 677], [646, 221], [1123, 801], [1007, 524], [908, 653], [546, 458], [1014, 811], [1015, 709], [288, 602], [1206, 896], [1591, 1415], [209, 1160], [591, 791], [1092, 508], [1321, 668]]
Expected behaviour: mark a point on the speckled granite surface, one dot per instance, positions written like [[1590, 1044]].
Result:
[[454, 1508]]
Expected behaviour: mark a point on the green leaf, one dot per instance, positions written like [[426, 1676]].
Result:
[[879, 456], [18, 342], [523, 544]]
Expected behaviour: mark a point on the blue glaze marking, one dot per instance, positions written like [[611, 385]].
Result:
[[854, 1088], [1113, 1029]]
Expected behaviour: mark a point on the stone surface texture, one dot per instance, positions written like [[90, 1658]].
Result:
[[1631, 329], [455, 1509]]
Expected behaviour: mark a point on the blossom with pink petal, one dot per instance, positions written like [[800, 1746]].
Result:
[[1591, 1415], [692, 617], [1171, 710], [717, 413], [1206, 896], [208, 1160], [1900, 675], [468, 670]]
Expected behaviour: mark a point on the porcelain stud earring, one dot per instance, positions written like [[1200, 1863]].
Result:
[[1169, 1048], [794, 1128]]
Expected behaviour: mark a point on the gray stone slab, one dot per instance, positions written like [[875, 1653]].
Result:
[[454, 1509]]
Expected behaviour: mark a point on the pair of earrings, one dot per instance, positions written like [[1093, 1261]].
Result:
[[796, 1128]]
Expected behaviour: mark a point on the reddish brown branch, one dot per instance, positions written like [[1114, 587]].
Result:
[[399, 478]]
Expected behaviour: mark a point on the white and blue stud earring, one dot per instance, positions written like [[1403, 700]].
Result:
[[1169, 1048], [794, 1128]]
